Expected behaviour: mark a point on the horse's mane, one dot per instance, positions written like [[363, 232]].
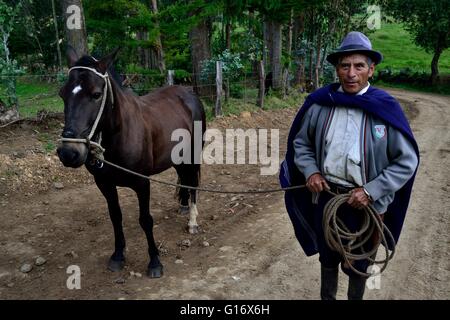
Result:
[[88, 61]]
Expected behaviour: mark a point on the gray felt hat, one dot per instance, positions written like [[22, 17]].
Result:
[[355, 42]]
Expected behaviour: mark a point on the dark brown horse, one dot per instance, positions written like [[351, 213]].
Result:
[[135, 133]]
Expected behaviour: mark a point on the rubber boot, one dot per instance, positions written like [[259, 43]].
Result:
[[356, 287], [328, 282]]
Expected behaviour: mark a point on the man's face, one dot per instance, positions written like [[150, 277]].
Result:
[[354, 72]]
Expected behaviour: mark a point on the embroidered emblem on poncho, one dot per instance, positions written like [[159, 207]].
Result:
[[380, 131]]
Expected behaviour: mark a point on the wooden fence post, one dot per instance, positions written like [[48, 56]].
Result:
[[170, 75], [285, 84], [262, 85], [218, 109]]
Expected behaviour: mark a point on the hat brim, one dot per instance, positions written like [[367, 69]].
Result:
[[333, 57]]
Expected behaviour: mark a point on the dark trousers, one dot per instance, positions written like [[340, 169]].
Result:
[[330, 259]]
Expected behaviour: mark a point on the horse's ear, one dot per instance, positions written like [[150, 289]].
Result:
[[107, 61], [72, 56]]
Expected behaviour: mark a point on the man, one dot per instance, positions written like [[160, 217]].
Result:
[[348, 137]]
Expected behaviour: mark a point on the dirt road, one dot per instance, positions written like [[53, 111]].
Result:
[[246, 248]]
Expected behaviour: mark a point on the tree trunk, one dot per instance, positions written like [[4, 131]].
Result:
[[262, 88], [276, 55], [267, 53], [159, 47], [299, 28], [55, 23], [311, 65], [200, 51], [228, 36], [318, 60], [310, 82], [75, 26], [143, 53], [435, 66], [219, 89], [288, 53]]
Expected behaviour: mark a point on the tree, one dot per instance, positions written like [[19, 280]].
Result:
[[158, 45], [9, 68], [75, 26], [429, 23], [55, 23], [34, 41], [200, 13]]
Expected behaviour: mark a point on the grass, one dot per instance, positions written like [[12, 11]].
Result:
[[47, 141], [248, 103], [35, 96], [400, 52], [439, 89]]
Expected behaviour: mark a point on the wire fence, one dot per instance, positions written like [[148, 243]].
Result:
[[37, 92]]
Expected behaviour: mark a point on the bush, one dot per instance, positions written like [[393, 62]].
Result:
[[236, 91]]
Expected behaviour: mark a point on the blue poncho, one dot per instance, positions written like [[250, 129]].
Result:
[[298, 201]]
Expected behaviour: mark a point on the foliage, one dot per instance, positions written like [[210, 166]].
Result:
[[429, 23], [427, 20], [9, 68], [232, 66], [115, 23], [400, 51], [33, 40]]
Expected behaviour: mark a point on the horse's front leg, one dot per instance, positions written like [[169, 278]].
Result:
[[155, 268], [109, 191]]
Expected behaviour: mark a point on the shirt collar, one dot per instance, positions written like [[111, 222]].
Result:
[[363, 90]]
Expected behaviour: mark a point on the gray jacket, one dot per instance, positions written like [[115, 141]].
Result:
[[387, 161]]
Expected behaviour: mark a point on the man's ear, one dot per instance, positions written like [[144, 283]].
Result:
[[72, 56], [105, 62], [371, 70]]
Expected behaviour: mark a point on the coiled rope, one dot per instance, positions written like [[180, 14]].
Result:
[[336, 233]]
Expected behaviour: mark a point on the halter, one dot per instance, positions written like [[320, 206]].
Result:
[[87, 141]]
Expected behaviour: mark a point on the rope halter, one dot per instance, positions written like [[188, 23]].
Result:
[[108, 88]]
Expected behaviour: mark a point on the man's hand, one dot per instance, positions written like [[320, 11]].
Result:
[[316, 183], [358, 198]]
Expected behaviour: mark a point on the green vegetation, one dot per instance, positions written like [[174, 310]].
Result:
[[400, 52], [48, 142], [248, 103], [35, 95], [405, 65], [440, 89]]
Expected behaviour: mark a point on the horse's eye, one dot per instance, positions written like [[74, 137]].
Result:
[[96, 95]]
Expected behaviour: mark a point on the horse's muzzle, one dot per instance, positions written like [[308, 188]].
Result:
[[72, 154]]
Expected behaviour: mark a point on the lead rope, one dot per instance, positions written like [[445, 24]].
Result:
[[336, 233]]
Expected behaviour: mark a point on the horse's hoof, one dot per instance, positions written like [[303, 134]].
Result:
[[155, 272], [183, 210], [193, 229], [116, 265]]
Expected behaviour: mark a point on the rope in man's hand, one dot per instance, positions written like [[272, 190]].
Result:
[[340, 239]]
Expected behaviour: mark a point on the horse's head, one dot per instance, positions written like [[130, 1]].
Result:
[[84, 93]]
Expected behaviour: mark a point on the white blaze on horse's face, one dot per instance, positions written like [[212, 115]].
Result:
[[76, 89]]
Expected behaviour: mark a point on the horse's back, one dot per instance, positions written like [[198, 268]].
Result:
[[175, 98]]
